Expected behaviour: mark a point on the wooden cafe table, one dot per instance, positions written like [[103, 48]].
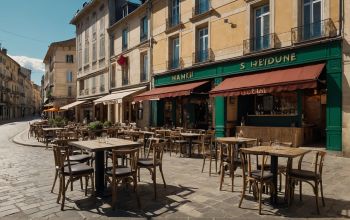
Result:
[[51, 130], [190, 137], [99, 147], [275, 152]]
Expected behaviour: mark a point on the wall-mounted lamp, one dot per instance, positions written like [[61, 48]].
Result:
[[226, 21]]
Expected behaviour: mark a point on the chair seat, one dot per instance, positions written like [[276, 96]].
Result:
[[145, 162], [257, 174], [81, 157], [79, 169], [120, 171], [303, 174], [180, 142]]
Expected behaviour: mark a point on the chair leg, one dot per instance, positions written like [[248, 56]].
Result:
[[86, 184], [138, 174], [92, 184], [203, 163], [210, 161], [222, 173], [323, 203], [232, 177], [243, 193], [136, 192], [60, 190], [161, 172], [280, 186], [260, 195], [316, 195], [114, 194], [154, 174], [63, 192], [81, 183], [300, 190], [54, 181]]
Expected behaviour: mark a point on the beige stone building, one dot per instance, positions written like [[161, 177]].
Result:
[[130, 68], [202, 51], [60, 74]]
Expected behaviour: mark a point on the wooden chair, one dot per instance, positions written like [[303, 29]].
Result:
[[209, 151], [73, 171], [312, 177], [229, 160], [257, 178], [123, 173], [177, 142], [151, 164]]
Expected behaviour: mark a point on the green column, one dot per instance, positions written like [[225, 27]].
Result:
[[220, 109], [334, 103], [157, 113]]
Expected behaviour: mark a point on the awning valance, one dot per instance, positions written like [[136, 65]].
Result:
[[71, 105], [275, 81], [118, 96], [169, 91]]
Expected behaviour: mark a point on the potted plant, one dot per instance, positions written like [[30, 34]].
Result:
[[107, 124], [96, 126]]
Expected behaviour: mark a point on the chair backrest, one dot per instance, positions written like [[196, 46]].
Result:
[[61, 155], [131, 156], [158, 150], [246, 160], [319, 161]]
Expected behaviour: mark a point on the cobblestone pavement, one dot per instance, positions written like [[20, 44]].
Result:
[[26, 177]]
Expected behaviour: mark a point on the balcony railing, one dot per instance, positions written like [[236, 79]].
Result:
[[312, 31], [143, 76], [202, 56], [113, 84], [86, 92], [173, 64], [125, 81], [143, 37], [81, 92], [93, 90], [264, 42], [102, 88], [201, 7], [172, 22]]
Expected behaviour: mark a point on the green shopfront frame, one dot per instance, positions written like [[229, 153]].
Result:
[[329, 53]]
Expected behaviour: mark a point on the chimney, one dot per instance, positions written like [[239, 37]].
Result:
[[4, 51]]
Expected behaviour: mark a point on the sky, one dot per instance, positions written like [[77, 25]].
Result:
[[27, 27]]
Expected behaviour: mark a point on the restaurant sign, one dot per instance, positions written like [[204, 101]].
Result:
[[182, 76], [253, 91], [265, 62]]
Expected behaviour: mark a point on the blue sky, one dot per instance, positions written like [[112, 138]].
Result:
[[28, 27]]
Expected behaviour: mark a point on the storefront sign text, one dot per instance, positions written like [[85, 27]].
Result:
[[254, 91], [263, 62], [182, 76]]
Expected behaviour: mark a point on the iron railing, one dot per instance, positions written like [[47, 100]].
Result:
[[86, 92], [143, 37], [93, 90], [201, 7], [125, 80], [173, 64], [312, 31], [102, 88], [202, 56], [81, 92], [260, 43], [172, 22]]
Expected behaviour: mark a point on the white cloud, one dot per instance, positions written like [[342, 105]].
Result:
[[36, 65]]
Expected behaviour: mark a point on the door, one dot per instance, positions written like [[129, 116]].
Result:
[[312, 17], [203, 6], [175, 52], [262, 28], [175, 12]]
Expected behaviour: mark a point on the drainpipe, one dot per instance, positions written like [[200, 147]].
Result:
[[341, 17]]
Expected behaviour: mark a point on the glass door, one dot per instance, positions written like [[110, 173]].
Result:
[[262, 28], [175, 12], [203, 6], [203, 44], [312, 18], [175, 52]]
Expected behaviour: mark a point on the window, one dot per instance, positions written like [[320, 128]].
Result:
[[125, 75], [202, 45], [102, 46], [94, 52], [79, 52], [113, 73], [175, 53], [144, 67], [102, 25], [175, 12], [102, 83], [69, 76], [93, 84], [69, 91], [125, 10], [202, 6], [144, 29], [262, 28], [125, 39], [87, 48], [94, 26], [312, 17]]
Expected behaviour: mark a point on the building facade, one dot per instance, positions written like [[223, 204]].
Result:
[[212, 62], [16, 89], [130, 66], [60, 74]]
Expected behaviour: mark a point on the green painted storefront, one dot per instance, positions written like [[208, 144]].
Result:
[[329, 53]]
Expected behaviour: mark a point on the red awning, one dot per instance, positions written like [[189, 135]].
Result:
[[275, 81], [169, 91]]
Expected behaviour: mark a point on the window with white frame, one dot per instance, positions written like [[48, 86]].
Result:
[[102, 83], [202, 53], [174, 52], [102, 38], [125, 39], [144, 67], [312, 17], [262, 27], [87, 47], [69, 76]]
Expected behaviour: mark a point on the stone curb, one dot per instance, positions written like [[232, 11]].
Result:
[[18, 140]]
